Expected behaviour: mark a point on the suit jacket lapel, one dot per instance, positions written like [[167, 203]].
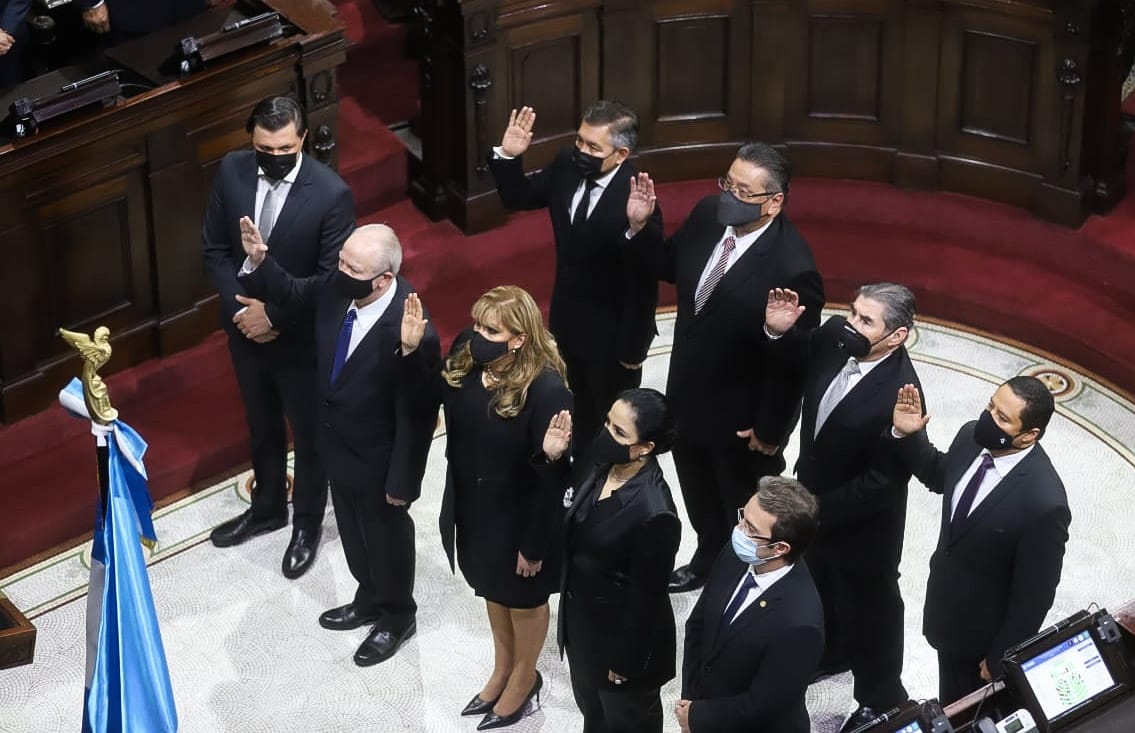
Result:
[[746, 266], [249, 180], [386, 329], [767, 602], [1006, 486], [862, 391], [297, 198]]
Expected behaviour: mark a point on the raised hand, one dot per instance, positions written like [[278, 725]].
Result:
[[413, 324], [908, 418], [252, 242], [640, 202], [518, 134], [557, 439], [783, 310]]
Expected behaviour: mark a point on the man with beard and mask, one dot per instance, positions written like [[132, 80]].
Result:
[[374, 385], [303, 211], [755, 636], [603, 302], [1004, 526], [853, 367], [735, 408]]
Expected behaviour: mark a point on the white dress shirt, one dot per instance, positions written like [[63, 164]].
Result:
[[283, 188], [764, 582], [1001, 468], [596, 191], [853, 379], [367, 316], [741, 245]]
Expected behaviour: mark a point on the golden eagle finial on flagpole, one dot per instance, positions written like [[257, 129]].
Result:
[[95, 352]]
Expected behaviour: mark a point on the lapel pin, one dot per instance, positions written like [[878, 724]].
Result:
[[764, 603]]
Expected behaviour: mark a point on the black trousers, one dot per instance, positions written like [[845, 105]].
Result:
[[863, 626], [614, 710], [595, 384], [273, 387], [378, 541], [957, 677], [715, 481]]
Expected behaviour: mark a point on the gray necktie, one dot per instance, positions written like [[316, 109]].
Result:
[[267, 218], [835, 393]]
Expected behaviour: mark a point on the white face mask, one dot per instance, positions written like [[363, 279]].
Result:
[[745, 548]]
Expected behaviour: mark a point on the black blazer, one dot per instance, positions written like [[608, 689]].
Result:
[[617, 571], [317, 217], [603, 301], [992, 585], [753, 677], [720, 381], [850, 466], [376, 421]]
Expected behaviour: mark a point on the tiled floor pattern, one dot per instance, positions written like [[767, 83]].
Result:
[[246, 654]]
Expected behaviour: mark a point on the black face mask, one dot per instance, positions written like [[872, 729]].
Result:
[[989, 435], [275, 166], [850, 340], [349, 287], [733, 212], [484, 351], [589, 166], [605, 449]]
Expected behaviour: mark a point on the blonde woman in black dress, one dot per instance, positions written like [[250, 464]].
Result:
[[508, 431]]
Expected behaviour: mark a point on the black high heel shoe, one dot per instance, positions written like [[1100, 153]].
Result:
[[477, 706], [492, 720]]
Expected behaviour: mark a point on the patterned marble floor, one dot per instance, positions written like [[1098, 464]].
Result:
[[246, 654]]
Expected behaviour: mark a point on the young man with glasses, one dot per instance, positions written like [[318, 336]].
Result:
[[735, 409], [755, 636]]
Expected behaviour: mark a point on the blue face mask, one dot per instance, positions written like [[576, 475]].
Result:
[[745, 548]]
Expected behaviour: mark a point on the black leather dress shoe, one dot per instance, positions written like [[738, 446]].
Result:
[[862, 716], [683, 579], [381, 645], [301, 552], [345, 618], [242, 528]]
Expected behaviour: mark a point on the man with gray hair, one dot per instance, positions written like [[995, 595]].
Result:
[[853, 369], [603, 302], [376, 418]]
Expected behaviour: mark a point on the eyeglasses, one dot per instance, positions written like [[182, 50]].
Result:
[[744, 525], [725, 185]]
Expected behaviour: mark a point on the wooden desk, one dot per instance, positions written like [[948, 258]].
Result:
[[1011, 100], [101, 214]]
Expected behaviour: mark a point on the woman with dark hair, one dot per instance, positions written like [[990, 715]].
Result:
[[622, 533], [507, 431]]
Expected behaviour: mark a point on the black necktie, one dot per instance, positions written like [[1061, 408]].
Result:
[[965, 503], [580, 214], [742, 593]]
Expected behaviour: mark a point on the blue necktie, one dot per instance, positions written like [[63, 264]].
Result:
[[727, 618], [965, 503], [343, 343]]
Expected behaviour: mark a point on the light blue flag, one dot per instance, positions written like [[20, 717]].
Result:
[[128, 686]]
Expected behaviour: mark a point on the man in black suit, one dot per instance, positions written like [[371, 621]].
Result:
[[304, 212], [735, 410], [123, 20], [603, 302], [376, 419], [755, 636], [1004, 525], [853, 367]]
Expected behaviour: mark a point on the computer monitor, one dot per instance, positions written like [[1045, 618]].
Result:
[[1067, 672]]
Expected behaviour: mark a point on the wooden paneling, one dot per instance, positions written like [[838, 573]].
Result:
[[986, 97]]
